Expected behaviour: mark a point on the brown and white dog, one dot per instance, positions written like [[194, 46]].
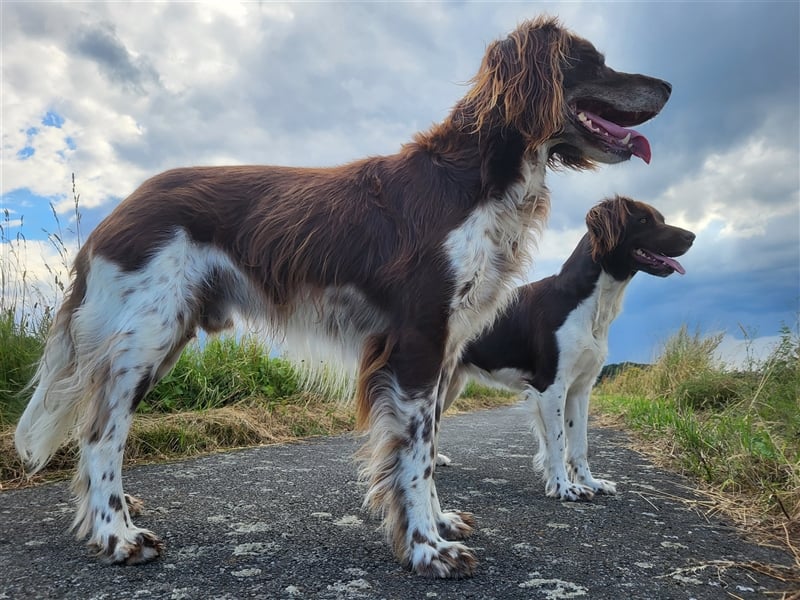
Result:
[[396, 260], [551, 341]]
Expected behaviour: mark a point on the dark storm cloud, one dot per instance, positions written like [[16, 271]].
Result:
[[349, 69], [733, 65], [101, 44]]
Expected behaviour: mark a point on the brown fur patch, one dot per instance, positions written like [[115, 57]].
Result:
[[374, 357], [606, 223], [519, 83]]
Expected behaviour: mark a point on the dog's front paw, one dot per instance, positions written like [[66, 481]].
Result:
[[442, 460], [137, 547], [442, 559], [567, 491], [456, 525], [580, 474], [602, 486]]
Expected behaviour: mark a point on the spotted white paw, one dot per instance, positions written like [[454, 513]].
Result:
[[456, 525], [442, 559]]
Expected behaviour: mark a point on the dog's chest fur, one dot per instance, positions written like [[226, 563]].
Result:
[[490, 249], [582, 340]]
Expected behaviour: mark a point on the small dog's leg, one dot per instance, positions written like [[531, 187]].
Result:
[[548, 416], [577, 417], [442, 460]]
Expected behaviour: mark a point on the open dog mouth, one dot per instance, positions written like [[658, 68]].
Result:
[[610, 126], [663, 265]]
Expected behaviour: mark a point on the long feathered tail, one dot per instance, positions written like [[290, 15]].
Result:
[[58, 387]]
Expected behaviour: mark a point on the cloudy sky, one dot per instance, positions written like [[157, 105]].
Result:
[[117, 92]]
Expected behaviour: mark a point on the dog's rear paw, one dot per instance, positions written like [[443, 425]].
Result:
[[442, 559], [142, 546], [443, 460], [456, 525]]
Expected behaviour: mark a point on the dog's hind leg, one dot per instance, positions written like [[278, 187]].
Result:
[[129, 367], [128, 333], [576, 416], [103, 511]]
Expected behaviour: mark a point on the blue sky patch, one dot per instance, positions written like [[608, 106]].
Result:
[[34, 209], [26, 152], [52, 119]]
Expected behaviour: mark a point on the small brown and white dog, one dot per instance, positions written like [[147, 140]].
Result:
[[397, 261], [551, 341]]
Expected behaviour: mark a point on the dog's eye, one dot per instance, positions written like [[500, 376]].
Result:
[[643, 220]]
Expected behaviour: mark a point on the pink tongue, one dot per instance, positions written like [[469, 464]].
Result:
[[671, 262], [638, 144]]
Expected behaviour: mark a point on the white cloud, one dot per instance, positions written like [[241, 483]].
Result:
[[731, 188], [553, 249], [736, 353]]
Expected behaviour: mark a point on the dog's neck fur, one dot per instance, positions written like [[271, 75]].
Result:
[[587, 278]]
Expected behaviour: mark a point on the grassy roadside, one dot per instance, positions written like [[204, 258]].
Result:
[[736, 433]]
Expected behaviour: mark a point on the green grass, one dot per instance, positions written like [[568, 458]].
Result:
[[735, 431], [223, 372], [20, 348]]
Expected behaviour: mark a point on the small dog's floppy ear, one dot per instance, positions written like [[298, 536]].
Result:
[[606, 224], [519, 83]]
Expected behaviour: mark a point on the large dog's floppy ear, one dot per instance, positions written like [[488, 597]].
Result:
[[606, 223], [519, 83]]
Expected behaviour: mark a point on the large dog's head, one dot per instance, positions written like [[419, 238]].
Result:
[[554, 88], [627, 236]]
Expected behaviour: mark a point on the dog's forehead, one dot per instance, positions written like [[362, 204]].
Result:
[[646, 208], [583, 50]]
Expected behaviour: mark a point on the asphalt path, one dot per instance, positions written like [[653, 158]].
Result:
[[285, 521]]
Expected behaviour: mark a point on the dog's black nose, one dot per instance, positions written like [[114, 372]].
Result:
[[667, 86], [689, 236]]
